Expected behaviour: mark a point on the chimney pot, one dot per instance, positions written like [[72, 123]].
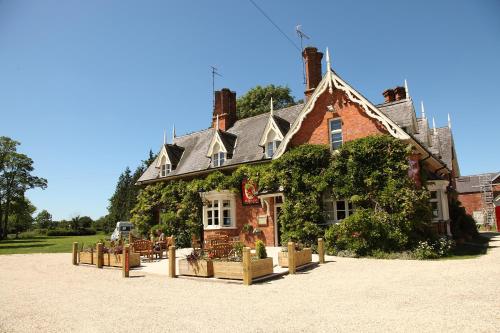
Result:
[[400, 93], [225, 109], [312, 60], [389, 95]]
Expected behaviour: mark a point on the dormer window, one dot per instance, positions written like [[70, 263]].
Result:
[[271, 147], [165, 167], [218, 159], [221, 148]]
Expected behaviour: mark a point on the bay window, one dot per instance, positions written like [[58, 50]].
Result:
[[219, 210]]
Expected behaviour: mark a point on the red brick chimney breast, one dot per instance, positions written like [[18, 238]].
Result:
[[389, 95], [400, 93], [312, 60], [225, 108]]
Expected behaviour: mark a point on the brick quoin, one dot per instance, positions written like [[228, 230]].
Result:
[[355, 123]]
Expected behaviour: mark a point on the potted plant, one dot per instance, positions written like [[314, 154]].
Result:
[[196, 264], [303, 255], [232, 267]]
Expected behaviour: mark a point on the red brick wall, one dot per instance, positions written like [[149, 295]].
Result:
[[355, 123], [249, 214], [471, 201]]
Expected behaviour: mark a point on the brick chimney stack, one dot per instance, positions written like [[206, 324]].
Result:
[[312, 60], [400, 93], [389, 95], [225, 108]]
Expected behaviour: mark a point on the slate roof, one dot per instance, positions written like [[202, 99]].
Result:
[[228, 140], [402, 113], [246, 134], [467, 184], [440, 144], [283, 125]]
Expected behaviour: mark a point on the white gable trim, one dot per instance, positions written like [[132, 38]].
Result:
[[330, 81], [163, 152], [270, 126], [216, 139]]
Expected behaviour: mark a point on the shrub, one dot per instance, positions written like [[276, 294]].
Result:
[[462, 224], [364, 232], [238, 250], [260, 249], [66, 232], [435, 249]]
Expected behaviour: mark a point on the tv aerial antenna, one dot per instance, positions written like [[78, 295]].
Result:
[[214, 73], [302, 36]]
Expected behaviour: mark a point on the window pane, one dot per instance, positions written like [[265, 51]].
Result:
[[341, 205], [226, 217], [336, 145], [270, 151], [337, 137], [216, 203], [216, 217], [335, 125], [226, 203], [433, 195]]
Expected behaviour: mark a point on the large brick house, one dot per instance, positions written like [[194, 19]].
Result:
[[473, 194], [333, 113]]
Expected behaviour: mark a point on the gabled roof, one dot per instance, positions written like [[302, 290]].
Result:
[[224, 139], [277, 124], [173, 154], [248, 132], [402, 113]]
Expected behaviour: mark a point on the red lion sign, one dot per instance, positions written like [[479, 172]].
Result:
[[249, 192]]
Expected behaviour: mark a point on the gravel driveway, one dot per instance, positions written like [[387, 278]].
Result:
[[45, 293]]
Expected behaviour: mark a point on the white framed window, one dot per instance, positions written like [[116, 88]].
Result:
[[165, 167], [271, 147], [219, 210], [335, 133], [334, 210], [218, 159], [435, 205]]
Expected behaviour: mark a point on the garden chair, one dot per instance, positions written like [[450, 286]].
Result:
[[143, 247]]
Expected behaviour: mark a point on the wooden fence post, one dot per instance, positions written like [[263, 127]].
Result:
[[247, 267], [321, 250], [171, 262], [100, 257], [292, 269], [130, 238], [75, 253], [126, 261]]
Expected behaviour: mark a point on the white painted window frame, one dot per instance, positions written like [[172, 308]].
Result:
[[332, 131], [220, 197], [329, 199], [218, 159]]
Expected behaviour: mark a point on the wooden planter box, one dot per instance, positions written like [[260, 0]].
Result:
[[114, 260], [302, 257], [234, 269], [202, 268]]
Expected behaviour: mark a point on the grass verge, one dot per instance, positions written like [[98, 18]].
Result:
[[45, 244]]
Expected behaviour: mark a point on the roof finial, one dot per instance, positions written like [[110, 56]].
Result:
[[434, 126], [217, 123], [272, 107], [328, 64], [164, 137], [173, 133], [449, 121], [423, 109], [407, 90]]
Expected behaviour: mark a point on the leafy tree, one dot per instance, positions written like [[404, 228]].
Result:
[[257, 100], [21, 218], [15, 179], [44, 220]]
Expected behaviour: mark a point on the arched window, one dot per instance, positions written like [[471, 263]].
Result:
[[218, 156], [272, 143]]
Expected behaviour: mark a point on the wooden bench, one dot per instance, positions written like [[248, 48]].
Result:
[[143, 247]]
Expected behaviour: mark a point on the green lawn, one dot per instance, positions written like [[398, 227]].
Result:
[[45, 244]]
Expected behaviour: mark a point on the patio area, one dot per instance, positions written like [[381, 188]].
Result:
[[160, 266]]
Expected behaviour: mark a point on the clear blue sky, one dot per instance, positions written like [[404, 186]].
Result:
[[88, 87]]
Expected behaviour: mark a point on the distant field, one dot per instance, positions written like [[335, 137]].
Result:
[[43, 244]]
